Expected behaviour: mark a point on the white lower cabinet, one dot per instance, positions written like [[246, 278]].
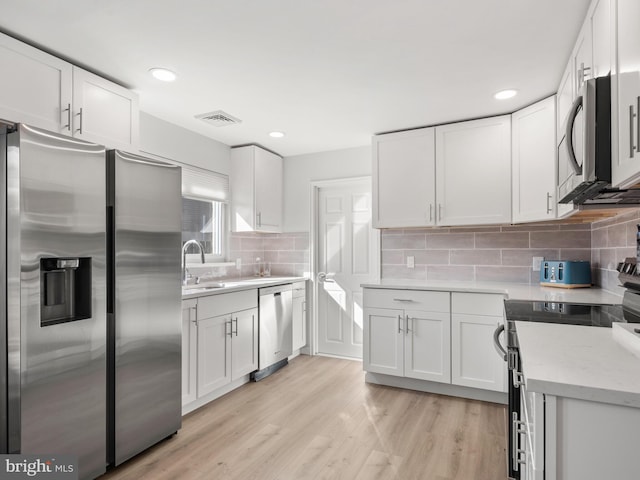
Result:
[[474, 362], [566, 438], [436, 336], [299, 322], [218, 347]]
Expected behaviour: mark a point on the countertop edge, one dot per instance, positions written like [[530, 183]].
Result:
[[238, 286]]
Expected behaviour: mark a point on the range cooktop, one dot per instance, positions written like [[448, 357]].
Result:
[[567, 313]]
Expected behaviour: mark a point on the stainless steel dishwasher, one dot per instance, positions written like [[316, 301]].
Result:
[[275, 336]]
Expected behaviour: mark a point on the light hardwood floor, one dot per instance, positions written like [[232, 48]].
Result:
[[318, 419]]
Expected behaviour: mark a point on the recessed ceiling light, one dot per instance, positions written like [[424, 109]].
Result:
[[163, 74], [276, 134], [504, 94]]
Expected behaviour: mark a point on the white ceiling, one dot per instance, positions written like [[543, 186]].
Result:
[[329, 73]]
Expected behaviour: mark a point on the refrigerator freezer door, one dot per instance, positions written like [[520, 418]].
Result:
[[147, 218], [56, 373]]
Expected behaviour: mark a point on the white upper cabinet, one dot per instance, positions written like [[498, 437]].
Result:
[[582, 59], [533, 160], [626, 164], [37, 87], [601, 34], [44, 91], [256, 190], [104, 112], [473, 172], [404, 179], [564, 98]]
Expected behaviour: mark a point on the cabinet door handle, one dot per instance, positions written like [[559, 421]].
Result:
[[407, 329], [230, 332], [549, 209], [236, 332], [195, 313], [631, 117], [431, 212], [68, 110], [259, 218], [402, 300], [399, 323], [638, 127], [439, 212], [80, 115]]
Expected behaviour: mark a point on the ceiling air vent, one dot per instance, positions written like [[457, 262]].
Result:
[[218, 118]]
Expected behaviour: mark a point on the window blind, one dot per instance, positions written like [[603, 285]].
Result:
[[198, 183]]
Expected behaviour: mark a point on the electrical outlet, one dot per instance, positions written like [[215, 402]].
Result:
[[537, 261], [411, 261], [238, 263]]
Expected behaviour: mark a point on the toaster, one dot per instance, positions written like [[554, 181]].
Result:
[[565, 273]]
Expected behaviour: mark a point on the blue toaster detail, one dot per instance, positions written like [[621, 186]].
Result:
[[567, 274]]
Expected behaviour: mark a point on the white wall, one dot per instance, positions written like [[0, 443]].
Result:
[[301, 170], [170, 141]]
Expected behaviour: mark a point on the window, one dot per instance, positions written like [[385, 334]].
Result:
[[204, 220], [204, 207]]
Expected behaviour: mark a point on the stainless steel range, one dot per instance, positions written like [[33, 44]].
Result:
[[547, 312]]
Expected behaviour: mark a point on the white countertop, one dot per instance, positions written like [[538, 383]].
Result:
[[513, 291], [578, 362], [194, 291]]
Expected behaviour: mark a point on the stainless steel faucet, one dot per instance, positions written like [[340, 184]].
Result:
[[184, 257]]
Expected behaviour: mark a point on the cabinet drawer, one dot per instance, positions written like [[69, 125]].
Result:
[[407, 299], [478, 304], [299, 289], [221, 304]]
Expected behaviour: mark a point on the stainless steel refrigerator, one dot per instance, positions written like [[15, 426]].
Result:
[[92, 317]]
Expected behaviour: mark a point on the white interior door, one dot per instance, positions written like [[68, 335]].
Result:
[[346, 247]]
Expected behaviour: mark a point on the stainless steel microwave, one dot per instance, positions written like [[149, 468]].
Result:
[[584, 151]]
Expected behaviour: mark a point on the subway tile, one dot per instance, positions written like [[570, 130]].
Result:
[[503, 240], [402, 272], [450, 272], [429, 257], [568, 239], [393, 257], [617, 235], [608, 259], [583, 254], [279, 243], [632, 233], [434, 230], [622, 253], [575, 226], [599, 238], [251, 243], [292, 256], [475, 229], [402, 242], [475, 257], [450, 240], [530, 228], [302, 242], [503, 274], [523, 257]]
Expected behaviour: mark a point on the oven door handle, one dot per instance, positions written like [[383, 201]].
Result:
[[496, 342]]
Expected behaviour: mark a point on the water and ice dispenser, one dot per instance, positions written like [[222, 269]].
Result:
[[65, 290]]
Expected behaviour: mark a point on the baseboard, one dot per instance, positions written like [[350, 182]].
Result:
[[436, 387], [190, 407]]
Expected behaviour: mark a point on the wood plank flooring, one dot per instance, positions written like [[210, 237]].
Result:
[[318, 419]]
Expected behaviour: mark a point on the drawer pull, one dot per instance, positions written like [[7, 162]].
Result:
[[402, 300]]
